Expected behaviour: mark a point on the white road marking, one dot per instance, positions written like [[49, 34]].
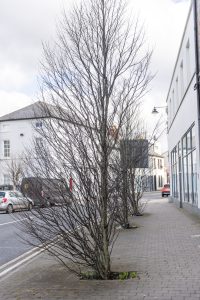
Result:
[[195, 236], [12, 265], [13, 222], [10, 247]]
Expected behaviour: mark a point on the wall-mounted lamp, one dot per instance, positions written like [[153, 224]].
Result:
[[155, 111]]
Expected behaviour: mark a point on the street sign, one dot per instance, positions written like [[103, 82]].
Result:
[[134, 153]]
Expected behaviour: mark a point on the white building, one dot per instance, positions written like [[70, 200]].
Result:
[[17, 132], [157, 176], [183, 121]]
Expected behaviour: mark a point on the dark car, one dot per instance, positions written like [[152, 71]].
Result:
[[165, 190], [46, 191]]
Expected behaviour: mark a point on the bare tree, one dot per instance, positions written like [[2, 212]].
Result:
[[96, 74], [14, 168], [131, 167]]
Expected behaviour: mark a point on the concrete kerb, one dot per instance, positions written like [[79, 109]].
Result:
[[19, 261], [24, 258]]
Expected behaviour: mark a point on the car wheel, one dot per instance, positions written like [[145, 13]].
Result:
[[162, 195], [30, 206], [9, 209]]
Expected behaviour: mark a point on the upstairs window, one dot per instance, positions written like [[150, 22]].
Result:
[[39, 142], [6, 148], [38, 124], [188, 61], [181, 80]]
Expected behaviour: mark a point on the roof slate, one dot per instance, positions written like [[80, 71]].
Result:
[[33, 111]]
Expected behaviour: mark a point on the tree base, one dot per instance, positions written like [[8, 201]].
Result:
[[90, 275]]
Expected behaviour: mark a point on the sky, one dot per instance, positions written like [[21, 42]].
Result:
[[26, 24]]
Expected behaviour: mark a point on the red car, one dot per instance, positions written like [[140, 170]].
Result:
[[165, 190]]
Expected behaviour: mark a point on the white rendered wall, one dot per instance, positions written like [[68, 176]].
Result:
[[11, 130], [186, 112]]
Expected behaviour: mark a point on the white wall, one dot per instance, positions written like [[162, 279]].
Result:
[[182, 76], [184, 112], [12, 131]]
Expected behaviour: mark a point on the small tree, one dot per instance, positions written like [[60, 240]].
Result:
[[15, 171], [96, 74], [131, 175]]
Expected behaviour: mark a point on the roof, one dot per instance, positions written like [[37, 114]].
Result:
[[156, 154], [36, 110]]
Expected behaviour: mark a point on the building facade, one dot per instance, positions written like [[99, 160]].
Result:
[[183, 121], [156, 174], [18, 133]]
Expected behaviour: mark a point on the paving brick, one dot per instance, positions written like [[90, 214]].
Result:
[[162, 251]]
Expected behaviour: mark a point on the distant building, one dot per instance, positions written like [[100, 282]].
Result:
[[183, 103], [156, 174], [166, 167]]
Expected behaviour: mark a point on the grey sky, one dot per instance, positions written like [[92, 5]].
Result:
[[24, 24]]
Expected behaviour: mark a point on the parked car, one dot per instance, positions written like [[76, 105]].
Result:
[[165, 190], [14, 200], [46, 191]]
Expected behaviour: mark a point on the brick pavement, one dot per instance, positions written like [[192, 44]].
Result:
[[163, 250]]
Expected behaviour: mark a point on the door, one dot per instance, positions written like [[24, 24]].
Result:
[[14, 200], [22, 203]]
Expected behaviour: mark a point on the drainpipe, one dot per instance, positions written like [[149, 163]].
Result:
[[197, 46], [197, 85]]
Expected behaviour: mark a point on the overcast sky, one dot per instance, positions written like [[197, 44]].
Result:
[[25, 24]]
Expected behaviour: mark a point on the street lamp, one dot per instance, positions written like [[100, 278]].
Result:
[[155, 111]]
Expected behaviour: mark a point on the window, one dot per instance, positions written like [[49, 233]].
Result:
[[6, 148], [177, 95], [39, 146], [38, 124], [189, 167], [154, 163], [159, 163], [39, 142], [174, 172], [12, 194], [181, 79], [188, 60], [6, 179], [184, 145], [160, 181], [170, 110], [193, 144], [173, 105]]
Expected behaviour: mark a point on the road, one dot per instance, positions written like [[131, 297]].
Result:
[[11, 242], [11, 245], [148, 196]]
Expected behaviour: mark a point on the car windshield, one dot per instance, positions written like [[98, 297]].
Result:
[[2, 194]]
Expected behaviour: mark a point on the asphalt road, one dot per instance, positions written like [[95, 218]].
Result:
[[152, 195], [11, 236], [11, 244]]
